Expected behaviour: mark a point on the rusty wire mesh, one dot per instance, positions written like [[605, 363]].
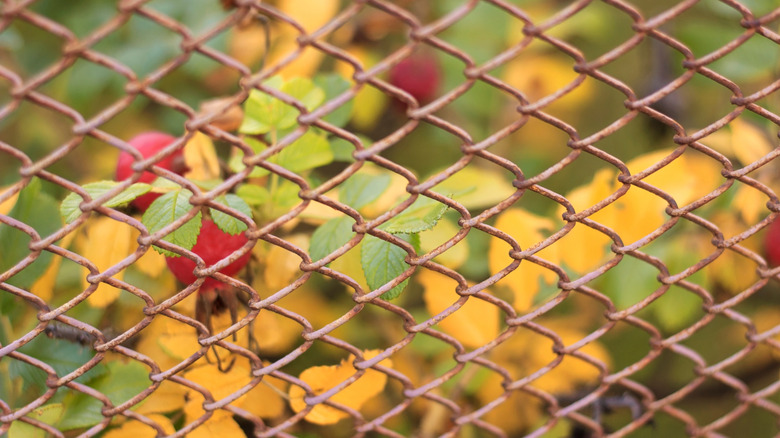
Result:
[[716, 400]]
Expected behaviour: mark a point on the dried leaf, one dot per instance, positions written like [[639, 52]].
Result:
[[323, 378], [526, 228], [105, 243], [201, 158], [138, 429], [474, 324]]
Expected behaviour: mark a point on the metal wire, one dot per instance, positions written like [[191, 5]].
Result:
[[616, 387]]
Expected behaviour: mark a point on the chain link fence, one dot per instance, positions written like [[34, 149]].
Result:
[[595, 178]]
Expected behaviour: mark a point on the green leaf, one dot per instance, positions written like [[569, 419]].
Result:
[[164, 185], [309, 151], [342, 149], [122, 382], [226, 222], [69, 209], [330, 236], [334, 85], [383, 261], [262, 112], [166, 209], [422, 215], [49, 414], [361, 189], [304, 90], [253, 194], [64, 356], [39, 210]]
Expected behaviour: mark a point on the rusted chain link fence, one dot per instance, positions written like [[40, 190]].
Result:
[[569, 314]]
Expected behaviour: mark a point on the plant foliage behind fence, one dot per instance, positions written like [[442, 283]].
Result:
[[459, 218]]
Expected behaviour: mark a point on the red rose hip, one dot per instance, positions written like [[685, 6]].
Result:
[[772, 243], [212, 246], [418, 75], [148, 144]]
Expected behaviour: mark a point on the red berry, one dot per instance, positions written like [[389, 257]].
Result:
[[148, 144], [418, 75], [212, 246], [772, 243]]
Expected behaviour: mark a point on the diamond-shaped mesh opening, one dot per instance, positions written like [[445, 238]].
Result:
[[567, 231]]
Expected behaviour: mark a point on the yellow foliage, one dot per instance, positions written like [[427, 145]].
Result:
[[732, 271], [247, 43], [445, 230], [201, 158], [525, 353], [638, 212], [177, 340], [526, 228], [517, 413], [8, 204], [323, 378], [221, 384], [44, 286], [583, 248], [152, 263], [539, 75], [220, 424], [168, 397], [137, 429], [105, 243], [741, 140], [282, 266], [474, 324], [369, 102]]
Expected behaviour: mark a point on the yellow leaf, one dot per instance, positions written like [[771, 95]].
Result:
[[177, 340], [369, 102], [474, 324], [105, 243], [264, 401], [311, 16], [275, 334], [151, 263], [308, 14], [168, 397], [44, 286], [137, 429], [8, 204], [456, 255], [742, 140], [283, 266], [247, 43], [323, 378], [750, 203], [150, 346], [220, 424], [201, 158], [732, 271], [526, 352], [220, 383], [477, 187], [750, 142], [539, 75], [526, 228], [516, 414], [583, 248]]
